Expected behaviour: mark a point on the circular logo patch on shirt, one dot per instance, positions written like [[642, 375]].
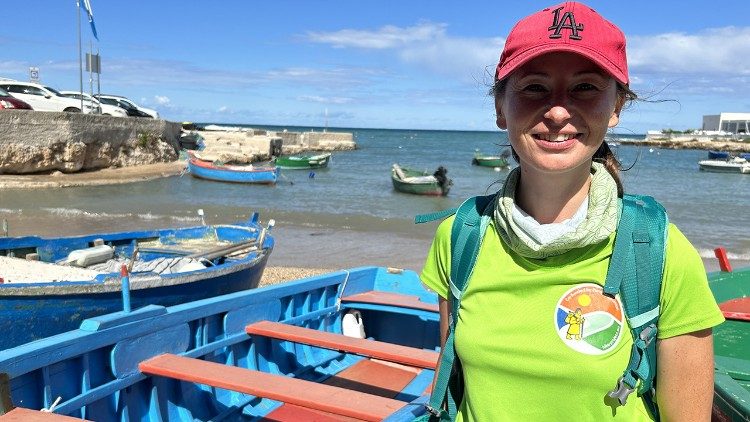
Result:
[[587, 321]]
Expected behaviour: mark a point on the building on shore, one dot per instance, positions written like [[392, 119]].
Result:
[[734, 123]]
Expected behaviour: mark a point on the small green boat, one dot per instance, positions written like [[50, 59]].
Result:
[[303, 161], [732, 346], [420, 182], [484, 160]]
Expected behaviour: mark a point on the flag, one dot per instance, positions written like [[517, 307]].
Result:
[[86, 5]]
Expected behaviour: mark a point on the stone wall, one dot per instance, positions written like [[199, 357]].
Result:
[[294, 142], [37, 141]]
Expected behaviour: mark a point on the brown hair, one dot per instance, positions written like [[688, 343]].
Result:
[[602, 155]]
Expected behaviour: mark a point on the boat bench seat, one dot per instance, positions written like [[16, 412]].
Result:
[[308, 394], [391, 299], [21, 414], [371, 348], [736, 309]]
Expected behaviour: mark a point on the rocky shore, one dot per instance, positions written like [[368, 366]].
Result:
[[690, 143], [49, 150]]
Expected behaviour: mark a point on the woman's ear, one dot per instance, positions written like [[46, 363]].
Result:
[[614, 119], [500, 119]]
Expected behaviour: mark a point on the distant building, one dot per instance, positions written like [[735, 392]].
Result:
[[727, 122]]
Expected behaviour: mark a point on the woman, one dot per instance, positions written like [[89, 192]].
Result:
[[561, 83]]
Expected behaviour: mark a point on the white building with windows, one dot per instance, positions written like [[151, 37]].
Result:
[[735, 123]]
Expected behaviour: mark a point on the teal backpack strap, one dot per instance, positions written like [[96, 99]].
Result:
[[635, 272], [467, 231]]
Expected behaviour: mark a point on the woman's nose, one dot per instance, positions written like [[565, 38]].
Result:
[[558, 113]]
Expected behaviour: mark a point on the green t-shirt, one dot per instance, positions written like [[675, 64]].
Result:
[[539, 341]]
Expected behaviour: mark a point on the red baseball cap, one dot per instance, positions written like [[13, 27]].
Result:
[[572, 27]]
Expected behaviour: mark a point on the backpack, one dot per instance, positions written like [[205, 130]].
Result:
[[635, 273]]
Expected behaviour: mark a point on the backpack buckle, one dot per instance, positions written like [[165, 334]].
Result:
[[648, 334], [434, 412], [621, 391]]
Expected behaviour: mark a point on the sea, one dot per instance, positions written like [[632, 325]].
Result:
[[348, 214]]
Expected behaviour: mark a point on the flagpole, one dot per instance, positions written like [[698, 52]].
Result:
[[80, 65]]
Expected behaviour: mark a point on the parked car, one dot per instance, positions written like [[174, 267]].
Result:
[[8, 101], [150, 112], [42, 97], [129, 109], [105, 109]]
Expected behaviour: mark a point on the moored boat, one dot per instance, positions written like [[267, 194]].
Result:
[[718, 155], [732, 346], [50, 285], [357, 344], [246, 173], [732, 165], [485, 160], [420, 182], [303, 161]]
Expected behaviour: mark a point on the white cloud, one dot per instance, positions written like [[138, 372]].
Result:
[[161, 100], [388, 36], [717, 51], [223, 109], [325, 100]]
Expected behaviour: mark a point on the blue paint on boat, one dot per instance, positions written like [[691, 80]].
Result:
[[31, 311], [95, 370], [232, 173]]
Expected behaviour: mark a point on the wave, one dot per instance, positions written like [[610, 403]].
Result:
[[739, 256], [75, 212]]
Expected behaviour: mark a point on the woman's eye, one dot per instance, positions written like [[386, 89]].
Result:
[[585, 87], [534, 88]]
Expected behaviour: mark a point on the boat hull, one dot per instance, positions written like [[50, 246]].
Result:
[[430, 189], [303, 162], [489, 161], [724, 166], [732, 346], [415, 182], [33, 310], [99, 370], [232, 174]]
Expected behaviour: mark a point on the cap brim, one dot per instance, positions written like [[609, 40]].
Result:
[[532, 53]]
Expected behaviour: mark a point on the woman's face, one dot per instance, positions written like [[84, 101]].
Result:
[[557, 108]]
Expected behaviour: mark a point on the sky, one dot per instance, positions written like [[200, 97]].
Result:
[[364, 64]]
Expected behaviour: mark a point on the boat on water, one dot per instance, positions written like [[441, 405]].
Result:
[[356, 344], [50, 285], [246, 173], [731, 165], [417, 182], [485, 160], [303, 161], [732, 346], [718, 155]]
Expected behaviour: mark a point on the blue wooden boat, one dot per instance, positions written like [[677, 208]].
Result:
[[718, 155], [247, 173], [40, 298], [357, 344]]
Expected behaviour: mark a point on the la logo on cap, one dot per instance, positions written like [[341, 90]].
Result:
[[568, 21]]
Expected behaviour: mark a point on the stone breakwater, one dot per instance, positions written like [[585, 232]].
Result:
[[247, 145], [700, 142], [37, 142]]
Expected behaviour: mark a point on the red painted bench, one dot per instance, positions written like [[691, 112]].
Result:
[[736, 309], [370, 348], [20, 414], [307, 394], [367, 376], [394, 299]]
